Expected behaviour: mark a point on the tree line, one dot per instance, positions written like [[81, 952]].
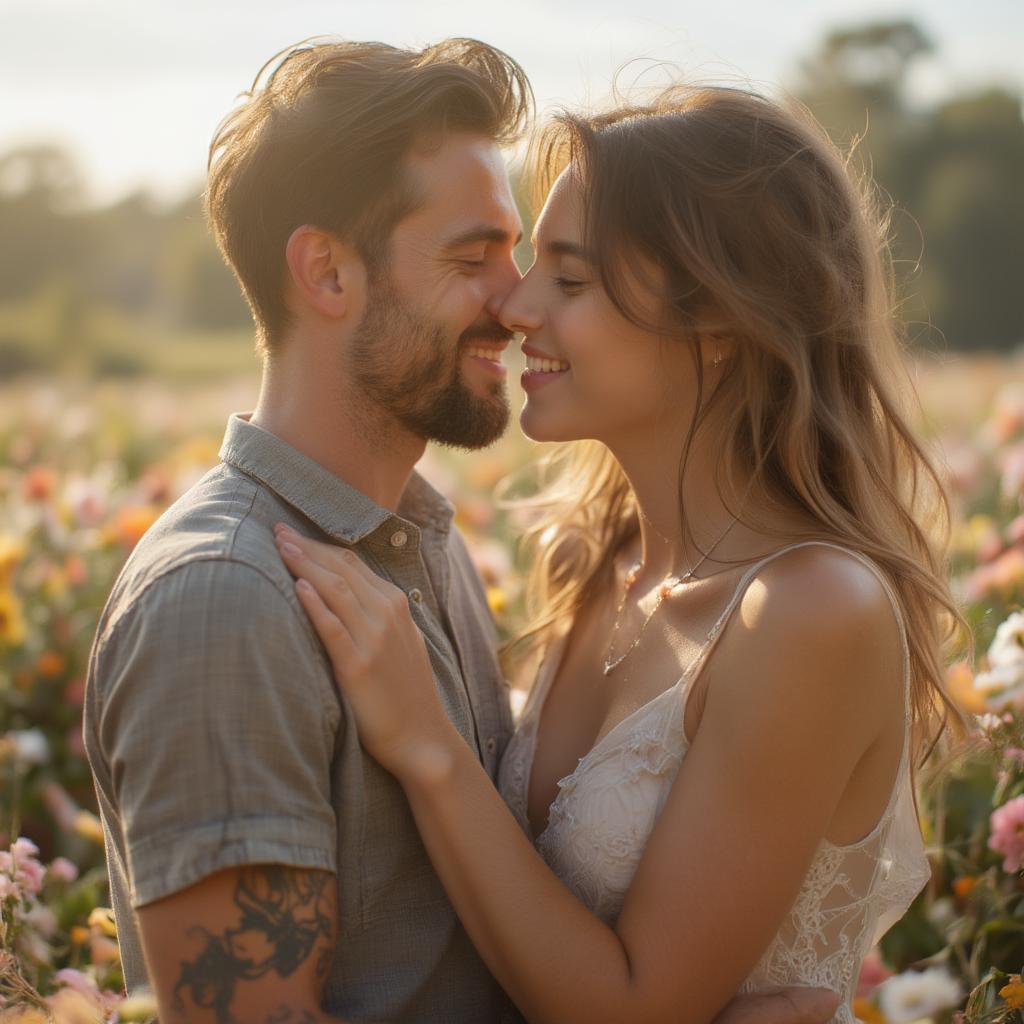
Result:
[[953, 172]]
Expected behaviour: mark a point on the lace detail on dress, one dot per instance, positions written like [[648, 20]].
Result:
[[606, 809]]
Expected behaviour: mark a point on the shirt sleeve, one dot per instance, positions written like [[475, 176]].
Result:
[[217, 720]]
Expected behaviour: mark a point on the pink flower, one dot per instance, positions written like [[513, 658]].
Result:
[[8, 887], [1007, 833], [23, 848], [63, 870], [78, 981], [872, 973], [20, 864]]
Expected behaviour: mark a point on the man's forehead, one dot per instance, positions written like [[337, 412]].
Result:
[[464, 191]]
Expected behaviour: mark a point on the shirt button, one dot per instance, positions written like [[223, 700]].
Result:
[[416, 595], [399, 539], [491, 745]]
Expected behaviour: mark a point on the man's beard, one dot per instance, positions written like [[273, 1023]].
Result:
[[407, 365]]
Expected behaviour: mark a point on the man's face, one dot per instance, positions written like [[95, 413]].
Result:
[[428, 348]]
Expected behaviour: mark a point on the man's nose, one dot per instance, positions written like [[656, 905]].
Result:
[[506, 279]]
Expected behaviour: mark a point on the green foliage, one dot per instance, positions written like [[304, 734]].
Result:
[[953, 171]]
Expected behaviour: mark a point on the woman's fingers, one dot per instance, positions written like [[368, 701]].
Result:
[[361, 577], [342, 590], [337, 640]]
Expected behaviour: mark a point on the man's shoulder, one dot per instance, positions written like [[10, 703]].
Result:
[[221, 529]]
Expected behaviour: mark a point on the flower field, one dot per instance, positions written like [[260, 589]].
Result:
[[83, 472]]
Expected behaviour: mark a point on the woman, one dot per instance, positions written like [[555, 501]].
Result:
[[739, 604]]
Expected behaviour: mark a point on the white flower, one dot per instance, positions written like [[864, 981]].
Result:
[[916, 994], [30, 745], [988, 722], [1005, 656]]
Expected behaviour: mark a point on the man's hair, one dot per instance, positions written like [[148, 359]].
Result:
[[321, 138]]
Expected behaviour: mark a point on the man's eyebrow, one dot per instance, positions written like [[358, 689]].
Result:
[[480, 233]]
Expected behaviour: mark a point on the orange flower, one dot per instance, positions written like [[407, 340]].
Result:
[[1013, 993], [133, 522], [961, 688], [39, 483], [963, 887], [866, 1012], [50, 664], [79, 935], [75, 570]]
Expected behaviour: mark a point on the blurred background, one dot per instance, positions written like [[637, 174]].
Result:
[[124, 345]]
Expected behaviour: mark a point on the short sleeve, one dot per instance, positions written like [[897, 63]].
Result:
[[217, 722]]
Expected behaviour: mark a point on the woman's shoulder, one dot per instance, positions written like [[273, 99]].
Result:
[[817, 587], [815, 617]]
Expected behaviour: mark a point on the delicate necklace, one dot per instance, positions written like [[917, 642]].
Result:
[[668, 585]]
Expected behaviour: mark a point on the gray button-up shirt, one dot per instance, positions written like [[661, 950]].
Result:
[[217, 738]]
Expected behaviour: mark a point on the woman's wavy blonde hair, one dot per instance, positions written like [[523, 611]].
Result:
[[764, 234]]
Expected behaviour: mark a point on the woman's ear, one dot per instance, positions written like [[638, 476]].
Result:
[[716, 350], [328, 275]]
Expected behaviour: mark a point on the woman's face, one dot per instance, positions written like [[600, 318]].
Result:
[[605, 378]]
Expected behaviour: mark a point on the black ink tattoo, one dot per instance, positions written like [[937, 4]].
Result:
[[283, 918]]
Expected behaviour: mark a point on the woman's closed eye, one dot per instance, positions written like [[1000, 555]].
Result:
[[569, 285]]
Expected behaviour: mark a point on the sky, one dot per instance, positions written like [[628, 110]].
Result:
[[135, 88]]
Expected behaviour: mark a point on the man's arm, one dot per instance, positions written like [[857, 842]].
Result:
[[247, 945]]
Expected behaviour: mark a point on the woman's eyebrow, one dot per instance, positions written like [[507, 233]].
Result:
[[562, 247]]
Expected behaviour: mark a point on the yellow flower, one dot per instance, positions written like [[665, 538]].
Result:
[[71, 1007], [88, 825], [1013, 993], [497, 599], [56, 584], [24, 1015], [866, 1011], [12, 551], [102, 918], [12, 621], [200, 451], [136, 1008]]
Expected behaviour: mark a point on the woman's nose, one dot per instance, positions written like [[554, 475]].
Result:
[[518, 312]]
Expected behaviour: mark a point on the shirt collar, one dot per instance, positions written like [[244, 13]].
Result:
[[336, 507]]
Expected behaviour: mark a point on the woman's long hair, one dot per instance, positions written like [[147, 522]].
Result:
[[766, 236]]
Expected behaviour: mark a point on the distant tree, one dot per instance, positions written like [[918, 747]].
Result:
[[953, 172], [45, 234]]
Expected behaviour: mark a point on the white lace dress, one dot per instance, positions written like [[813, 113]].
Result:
[[606, 809]]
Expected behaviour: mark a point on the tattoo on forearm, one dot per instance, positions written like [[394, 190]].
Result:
[[284, 916]]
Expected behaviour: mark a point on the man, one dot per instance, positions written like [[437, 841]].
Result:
[[264, 869]]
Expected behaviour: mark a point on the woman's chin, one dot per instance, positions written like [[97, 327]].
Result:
[[544, 428]]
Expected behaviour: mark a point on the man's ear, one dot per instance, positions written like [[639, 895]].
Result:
[[329, 275]]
